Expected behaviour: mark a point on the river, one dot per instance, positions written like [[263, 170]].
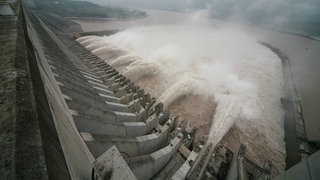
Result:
[[303, 55]]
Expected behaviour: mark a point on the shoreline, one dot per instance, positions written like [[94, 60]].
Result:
[[297, 145], [105, 19]]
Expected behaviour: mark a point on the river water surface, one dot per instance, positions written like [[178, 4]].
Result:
[[215, 74]]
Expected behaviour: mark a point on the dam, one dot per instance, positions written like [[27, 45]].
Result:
[[67, 114]]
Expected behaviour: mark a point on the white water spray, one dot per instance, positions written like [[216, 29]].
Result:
[[244, 77], [184, 87], [138, 69], [124, 60]]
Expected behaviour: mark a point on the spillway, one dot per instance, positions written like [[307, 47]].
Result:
[[144, 108], [228, 68]]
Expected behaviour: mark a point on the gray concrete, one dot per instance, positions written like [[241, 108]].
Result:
[[118, 107], [182, 172], [294, 127], [308, 168], [77, 156], [21, 147], [76, 92], [138, 146], [110, 98], [134, 129], [112, 166], [6, 9], [132, 106], [126, 117], [171, 167], [145, 167]]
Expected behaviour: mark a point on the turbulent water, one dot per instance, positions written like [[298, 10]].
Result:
[[218, 78]]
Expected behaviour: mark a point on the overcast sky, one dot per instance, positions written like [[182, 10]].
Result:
[[167, 4], [257, 11]]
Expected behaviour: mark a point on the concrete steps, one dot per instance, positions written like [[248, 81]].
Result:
[[137, 146], [110, 111], [145, 167], [180, 156], [155, 156]]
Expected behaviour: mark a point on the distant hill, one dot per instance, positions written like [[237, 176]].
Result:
[[68, 8], [301, 17], [295, 16]]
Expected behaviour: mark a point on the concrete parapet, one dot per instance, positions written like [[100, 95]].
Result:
[[137, 146], [178, 160], [110, 110], [66, 154], [110, 98], [126, 117], [182, 172], [145, 167], [118, 107], [112, 166], [134, 129]]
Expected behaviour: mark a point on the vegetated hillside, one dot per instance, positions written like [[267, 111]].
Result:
[[68, 8]]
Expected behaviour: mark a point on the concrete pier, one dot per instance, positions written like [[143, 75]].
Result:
[[65, 113]]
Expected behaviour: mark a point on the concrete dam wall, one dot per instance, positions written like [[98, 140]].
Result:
[[67, 114], [82, 114]]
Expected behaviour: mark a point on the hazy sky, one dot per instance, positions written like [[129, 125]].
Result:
[[257, 11], [312, 5], [167, 4]]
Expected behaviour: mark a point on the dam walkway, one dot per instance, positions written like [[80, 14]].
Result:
[[84, 120]]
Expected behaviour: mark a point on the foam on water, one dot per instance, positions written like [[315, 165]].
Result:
[[89, 40], [183, 87], [221, 64], [123, 60], [139, 69], [83, 38]]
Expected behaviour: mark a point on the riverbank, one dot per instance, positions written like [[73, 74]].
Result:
[[294, 126], [105, 19]]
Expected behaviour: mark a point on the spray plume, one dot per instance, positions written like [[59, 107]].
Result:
[[197, 57]]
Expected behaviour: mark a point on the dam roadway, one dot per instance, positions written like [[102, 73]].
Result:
[[69, 115]]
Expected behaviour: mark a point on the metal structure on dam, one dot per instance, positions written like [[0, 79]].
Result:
[[66, 114]]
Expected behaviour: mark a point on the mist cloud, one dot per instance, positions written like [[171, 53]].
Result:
[[195, 57], [210, 59], [288, 15]]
